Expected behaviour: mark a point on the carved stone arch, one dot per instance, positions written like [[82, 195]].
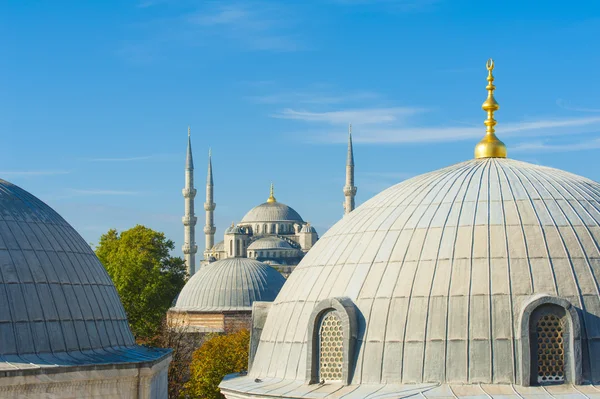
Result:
[[537, 307], [346, 311]]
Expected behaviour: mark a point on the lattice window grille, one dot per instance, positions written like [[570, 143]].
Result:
[[551, 351], [331, 355]]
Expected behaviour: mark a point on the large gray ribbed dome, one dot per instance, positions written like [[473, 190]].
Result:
[[229, 284], [55, 295], [440, 267], [272, 212]]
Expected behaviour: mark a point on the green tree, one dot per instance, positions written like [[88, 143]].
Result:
[[146, 276], [217, 357]]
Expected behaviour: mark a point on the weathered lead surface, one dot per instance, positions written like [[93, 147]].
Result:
[[229, 284], [58, 306], [439, 267]]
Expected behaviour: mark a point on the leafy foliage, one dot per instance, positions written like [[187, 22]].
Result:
[[146, 276], [218, 356]]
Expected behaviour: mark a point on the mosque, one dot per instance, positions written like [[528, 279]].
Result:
[[478, 280], [249, 264], [272, 232]]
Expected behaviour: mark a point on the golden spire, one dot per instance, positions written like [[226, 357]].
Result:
[[490, 146], [272, 196]]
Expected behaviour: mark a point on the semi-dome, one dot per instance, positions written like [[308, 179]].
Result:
[[269, 242], [55, 295], [272, 212], [229, 284], [440, 266]]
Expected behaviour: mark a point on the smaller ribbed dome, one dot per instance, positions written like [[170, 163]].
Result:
[[218, 247], [229, 284], [307, 228], [272, 212], [270, 243], [234, 230]]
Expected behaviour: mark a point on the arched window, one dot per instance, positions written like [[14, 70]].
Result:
[[331, 346], [332, 330], [258, 229], [550, 333], [231, 248], [239, 247], [550, 349]]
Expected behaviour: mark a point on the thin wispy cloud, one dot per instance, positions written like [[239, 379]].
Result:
[[188, 25], [254, 25], [94, 191], [129, 159], [312, 98], [541, 146], [32, 173], [364, 116], [568, 106], [392, 5], [401, 130]]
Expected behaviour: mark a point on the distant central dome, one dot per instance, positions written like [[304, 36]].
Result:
[[272, 212]]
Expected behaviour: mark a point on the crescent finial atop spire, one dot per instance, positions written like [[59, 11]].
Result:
[[272, 196], [490, 146]]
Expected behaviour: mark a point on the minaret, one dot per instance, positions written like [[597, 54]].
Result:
[[349, 188], [189, 219], [209, 207]]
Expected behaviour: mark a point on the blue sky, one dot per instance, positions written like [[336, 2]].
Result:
[[96, 97]]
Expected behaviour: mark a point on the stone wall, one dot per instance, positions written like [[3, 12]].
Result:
[[235, 321], [131, 381], [227, 321]]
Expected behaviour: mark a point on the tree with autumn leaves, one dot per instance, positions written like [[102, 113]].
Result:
[[218, 356]]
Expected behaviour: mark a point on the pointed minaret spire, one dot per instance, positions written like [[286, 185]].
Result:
[[189, 160], [209, 207], [349, 188], [189, 219]]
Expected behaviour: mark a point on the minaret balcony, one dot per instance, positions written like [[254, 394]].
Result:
[[189, 249], [209, 206], [189, 192], [349, 190], [209, 229], [189, 220]]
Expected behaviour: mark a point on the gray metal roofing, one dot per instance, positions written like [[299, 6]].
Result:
[[58, 306], [270, 242], [272, 212], [229, 284], [439, 267], [79, 360], [56, 296], [247, 387]]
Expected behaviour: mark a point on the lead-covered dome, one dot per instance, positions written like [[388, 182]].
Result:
[[269, 242], [55, 295], [229, 284], [441, 269], [272, 212]]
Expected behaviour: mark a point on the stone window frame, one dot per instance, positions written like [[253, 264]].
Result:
[[573, 360], [346, 311]]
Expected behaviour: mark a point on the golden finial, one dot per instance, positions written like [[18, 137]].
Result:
[[490, 146], [272, 196]]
